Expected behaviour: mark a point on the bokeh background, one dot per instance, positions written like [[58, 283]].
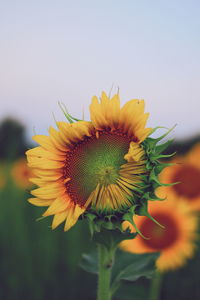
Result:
[[68, 51]]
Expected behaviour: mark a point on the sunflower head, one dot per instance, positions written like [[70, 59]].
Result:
[[184, 169], [175, 240], [104, 170]]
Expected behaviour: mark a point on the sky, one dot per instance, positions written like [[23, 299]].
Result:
[[68, 51]]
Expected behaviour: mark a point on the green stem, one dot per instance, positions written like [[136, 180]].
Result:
[[106, 259], [156, 284]]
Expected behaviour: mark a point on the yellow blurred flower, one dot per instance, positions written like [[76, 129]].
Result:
[[186, 170], [21, 173], [175, 242], [95, 165]]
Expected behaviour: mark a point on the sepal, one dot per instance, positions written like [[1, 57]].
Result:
[[69, 117], [111, 238], [98, 222]]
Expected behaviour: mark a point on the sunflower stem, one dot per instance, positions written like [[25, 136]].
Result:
[[156, 285], [106, 260]]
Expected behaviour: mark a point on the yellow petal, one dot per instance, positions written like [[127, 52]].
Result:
[[40, 202], [97, 113], [133, 119], [59, 218], [42, 153], [143, 133], [49, 191], [105, 114], [141, 123], [43, 163], [73, 214], [57, 139], [45, 181], [75, 132], [46, 143], [58, 205], [135, 153], [115, 111], [48, 175]]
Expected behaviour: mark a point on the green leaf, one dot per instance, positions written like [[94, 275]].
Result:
[[143, 211], [131, 267], [162, 156], [162, 166], [156, 128], [129, 217], [66, 114], [89, 262], [154, 177], [150, 143], [127, 266], [160, 148], [164, 135]]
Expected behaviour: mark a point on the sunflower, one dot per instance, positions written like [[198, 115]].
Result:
[[93, 168], [186, 170], [175, 241], [21, 173]]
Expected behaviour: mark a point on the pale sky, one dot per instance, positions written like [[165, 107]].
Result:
[[71, 50]]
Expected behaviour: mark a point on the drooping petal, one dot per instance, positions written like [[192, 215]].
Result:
[[135, 153], [59, 205], [59, 218], [73, 214]]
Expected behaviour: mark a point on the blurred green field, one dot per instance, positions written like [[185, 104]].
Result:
[[38, 263]]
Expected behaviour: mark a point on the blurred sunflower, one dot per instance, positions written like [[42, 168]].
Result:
[[175, 242], [21, 173], [186, 170], [96, 167]]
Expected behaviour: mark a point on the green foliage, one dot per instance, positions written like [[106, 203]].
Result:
[[133, 266], [127, 267], [89, 262], [98, 222]]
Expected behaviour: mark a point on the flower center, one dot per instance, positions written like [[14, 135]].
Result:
[[107, 175], [189, 185], [160, 238], [95, 160]]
